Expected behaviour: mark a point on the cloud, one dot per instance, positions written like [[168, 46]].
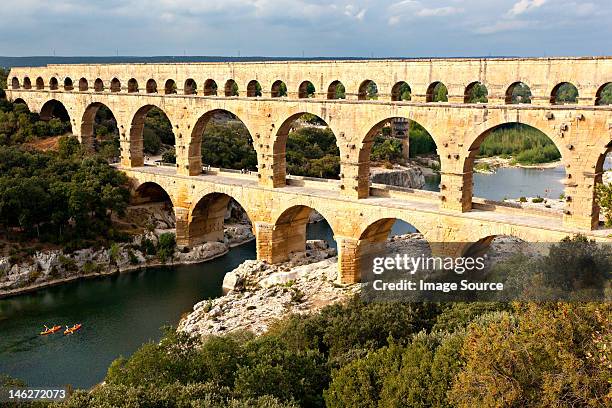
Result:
[[440, 11], [409, 9], [501, 26], [354, 12], [523, 6]]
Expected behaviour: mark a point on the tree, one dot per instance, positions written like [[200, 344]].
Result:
[[604, 200]]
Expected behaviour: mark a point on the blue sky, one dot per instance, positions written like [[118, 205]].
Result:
[[379, 28]]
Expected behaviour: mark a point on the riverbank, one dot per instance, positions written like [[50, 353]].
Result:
[[53, 268], [488, 165]]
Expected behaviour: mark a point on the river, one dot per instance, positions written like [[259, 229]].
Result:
[[122, 312]]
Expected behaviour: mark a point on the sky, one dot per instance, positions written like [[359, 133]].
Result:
[[310, 28]]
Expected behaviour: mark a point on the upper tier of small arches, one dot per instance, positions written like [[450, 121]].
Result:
[[473, 93]]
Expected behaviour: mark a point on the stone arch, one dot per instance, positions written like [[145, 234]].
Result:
[[40, 83], [279, 89], [151, 86], [88, 136], [83, 85], [401, 91], [289, 231], [336, 90], [231, 88], [517, 93], [210, 87], [115, 85], [599, 171], [279, 148], [190, 87], [170, 87], [604, 95], [476, 92], [564, 93], [474, 149], [437, 92], [402, 127], [367, 90], [197, 134], [136, 150], [150, 191], [207, 217], [27, 83], [132, 85], [21, 101], [253, 89], [15, 83], [53, 84], [98, 85], [54, 109], [68, 85], [306, 90]]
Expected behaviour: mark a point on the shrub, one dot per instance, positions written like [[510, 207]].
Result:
[[166, 246]]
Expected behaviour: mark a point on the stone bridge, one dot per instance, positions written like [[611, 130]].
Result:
[[359, 213]]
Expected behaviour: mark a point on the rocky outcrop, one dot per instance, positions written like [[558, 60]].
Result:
[[260, 293], [400, 176]]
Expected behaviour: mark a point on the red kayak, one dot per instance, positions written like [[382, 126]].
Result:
[[73, 329]]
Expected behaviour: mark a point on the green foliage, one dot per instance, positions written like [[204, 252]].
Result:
[[166, 246], [439, 93], [313, 152], [18, 125], [604, 200], [228, 145], [3, 77], [477, 93], [421, 141], [157, 121], [151, 141], [385, 149], [59, 197], [605, 95], [526, 144], [520, 93], [169, 156], [566, 93]]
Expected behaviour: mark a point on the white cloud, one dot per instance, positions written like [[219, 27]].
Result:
[[523, 6], [440, 11], [501, 26], [352, 11]]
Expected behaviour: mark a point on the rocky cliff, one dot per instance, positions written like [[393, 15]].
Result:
[[400, 176]]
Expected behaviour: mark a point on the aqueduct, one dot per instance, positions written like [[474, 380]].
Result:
[[358, 211]]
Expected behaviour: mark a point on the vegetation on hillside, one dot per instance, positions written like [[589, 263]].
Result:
[[525, 144], [379, 355]]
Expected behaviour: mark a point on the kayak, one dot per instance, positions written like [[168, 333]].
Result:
[[50, 330], [73, 329]]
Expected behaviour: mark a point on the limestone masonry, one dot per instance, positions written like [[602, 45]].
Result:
[[360, 214]]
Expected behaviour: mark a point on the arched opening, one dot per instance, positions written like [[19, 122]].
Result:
[[401, 92], [170, 87], [152, 208], [210, 88], [368, 90], [99, 131], [115, 85], [518, 164], [603, 189], [15, 83], [309, 149], [307, 90], [132, 85], [56, 114], [400, 152], [476, 92], [40, 83], [294, 227], [564, 93], [190, 88], [151, 86], [221, 140], [151, 138], [518, 93], [336, 90], [253, 89], [83, 85], [437, 92], [27, 83], [218, 217], [68, 85], [98, 85], [279, 89], [53, 84], [231, 88], [604, 95]]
